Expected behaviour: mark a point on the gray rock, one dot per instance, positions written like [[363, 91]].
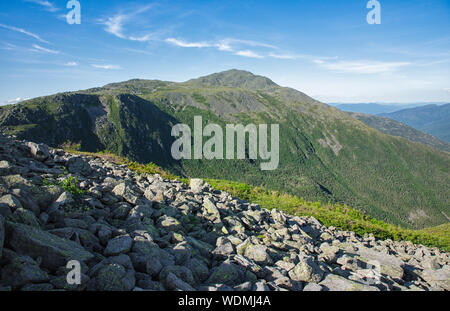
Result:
[[170, 224], [113, 274], [198, 185], [182, 252], [25, 217], [123, 190], [306, 270], [312, 287], [259, 254], [199, 269], [54, 251], [260, 286], [173, 282], [181, 272], [389, 265], [11, 201], [153, 266], [22, 270], [78, 165], [334, 282], [2, 234], [119, 245], [39, 151], [227, 273]]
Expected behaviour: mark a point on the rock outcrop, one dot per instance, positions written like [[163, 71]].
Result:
[[142, 232]]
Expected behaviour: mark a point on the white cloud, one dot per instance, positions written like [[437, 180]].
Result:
[[362, 66], [248, 53], [71, 64], [282, 56], [106, 67], [115, 24], [447, 89], [46, 4], [38, 48], [188, 44], [24, 32]]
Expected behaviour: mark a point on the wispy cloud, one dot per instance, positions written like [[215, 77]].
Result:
[[184, 44], [46, 4], [362, 66], [248, 53], [115, 24], [235, 46], [30, 34], [106, 67], [71, 64], [38, 48]]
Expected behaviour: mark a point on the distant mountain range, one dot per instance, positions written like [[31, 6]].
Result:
[[432, 119], [378, 108], [325, 153], [396, 128]]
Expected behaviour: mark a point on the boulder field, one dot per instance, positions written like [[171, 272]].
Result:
[[132, 232]]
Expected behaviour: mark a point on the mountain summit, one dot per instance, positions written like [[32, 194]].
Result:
[[236, 79]]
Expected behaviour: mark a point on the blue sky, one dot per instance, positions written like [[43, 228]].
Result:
[[324, 48]]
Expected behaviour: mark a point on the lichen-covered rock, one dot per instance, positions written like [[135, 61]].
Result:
[[307, 271], [22, 270], [119, 245], [227, 273], [54, 251], [113, 274]]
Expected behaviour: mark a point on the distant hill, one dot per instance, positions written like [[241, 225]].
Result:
[[431, 119], [396, 128], [372, 108], [325, 154]]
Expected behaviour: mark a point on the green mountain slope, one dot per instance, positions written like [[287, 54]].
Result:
[[396, 128], [432, 119], [325, 154]]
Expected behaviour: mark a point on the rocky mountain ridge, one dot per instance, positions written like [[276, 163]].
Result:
[[142, 232], [325, 154]]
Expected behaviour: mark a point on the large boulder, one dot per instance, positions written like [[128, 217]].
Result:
[[55, 252], [259, 254], [387, 264], [78, 165], [307, 271], [119, 245], [39, 151], [334, 282], [126, 192], [113, 274], [22, 270]]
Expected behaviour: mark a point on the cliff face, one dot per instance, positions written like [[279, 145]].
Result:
[[142, 232]]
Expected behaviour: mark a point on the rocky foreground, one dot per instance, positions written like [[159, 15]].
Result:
[[137, 232]]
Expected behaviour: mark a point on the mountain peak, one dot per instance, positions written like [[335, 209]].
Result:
[[236, 78]]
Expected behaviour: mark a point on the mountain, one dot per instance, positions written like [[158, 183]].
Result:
[[325, 154], [431, 119], [372, 108], [395, 128]]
